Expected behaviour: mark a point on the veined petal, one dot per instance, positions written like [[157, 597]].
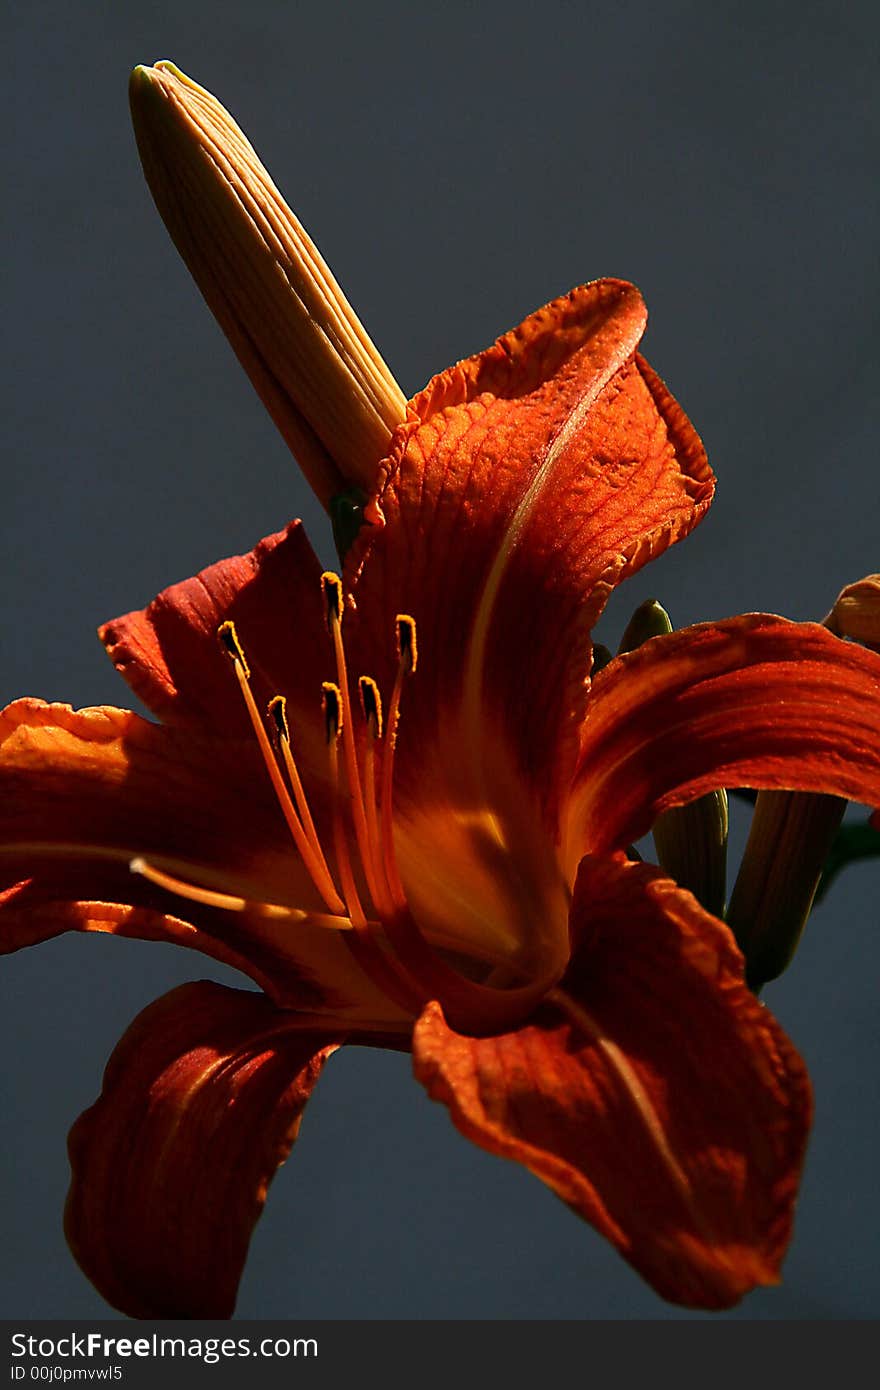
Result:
[[171, 658], [754, 701], [202, 1101], [652, 1092], [84, 792], [526, 482], [106, 785]]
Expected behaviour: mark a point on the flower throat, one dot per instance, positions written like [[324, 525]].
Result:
[[379, 930]]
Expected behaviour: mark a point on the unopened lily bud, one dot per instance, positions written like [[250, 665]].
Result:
[[649, 620], [691, 841], [856, 613], [313, 365], [792, 832], [789, 840]]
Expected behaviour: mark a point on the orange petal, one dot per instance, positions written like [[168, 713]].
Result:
[[170, 655], [83, 792], [527, 481], [45, 906], [202, 1101], [105, 785], [754, 701], [654, 1094]]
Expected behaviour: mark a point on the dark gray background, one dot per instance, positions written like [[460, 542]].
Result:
[[459, 165]]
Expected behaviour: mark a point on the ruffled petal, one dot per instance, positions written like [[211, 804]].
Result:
[[754, 701], [526, 482], [171, 658], [202, 1101], [651, 1092]]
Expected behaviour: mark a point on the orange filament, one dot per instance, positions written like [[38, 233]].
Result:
[[318, 872], [406, 665], [332, 587], [362, 941], [230, 902], [371, 704], [334, 720], [379, 929], [277, 711]]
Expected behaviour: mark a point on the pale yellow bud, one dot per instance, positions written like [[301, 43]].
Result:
[[856, 613], [303, 347]]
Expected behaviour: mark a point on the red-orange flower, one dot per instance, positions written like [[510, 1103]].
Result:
[[455, 884], [575, 1011]]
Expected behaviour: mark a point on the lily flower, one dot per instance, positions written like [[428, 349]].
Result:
[[394, 799]]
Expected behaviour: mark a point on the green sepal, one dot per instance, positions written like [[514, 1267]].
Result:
[[347, 517]]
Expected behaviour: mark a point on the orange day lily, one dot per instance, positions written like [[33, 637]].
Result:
[[395, 800]]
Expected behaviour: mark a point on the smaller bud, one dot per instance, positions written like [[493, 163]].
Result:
[[856, 612], [789, 841], [793, 833], [691, 843], [649, 620]]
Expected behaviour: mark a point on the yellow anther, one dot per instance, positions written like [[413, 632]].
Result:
[[332, 702], [407, 650], [277, 712], [229, 639], [371, 704], [331, 584]]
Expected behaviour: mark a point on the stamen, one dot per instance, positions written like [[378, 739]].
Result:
[[407, 651], [332, 587], [317, 871], [407, 648], [229, 637], [331, 700], [333, 726], [387, 974], [277, 712], [210, 897], [371, 704]]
